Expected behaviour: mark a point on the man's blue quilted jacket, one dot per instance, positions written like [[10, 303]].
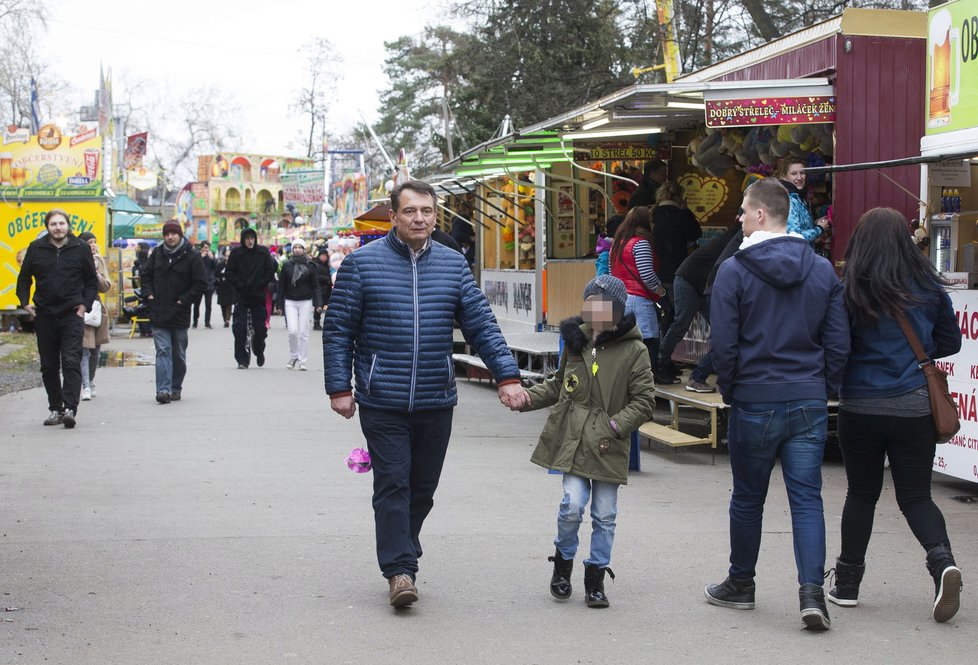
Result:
[[392, 315]]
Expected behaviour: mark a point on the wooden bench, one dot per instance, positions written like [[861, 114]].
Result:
[[479, 370]]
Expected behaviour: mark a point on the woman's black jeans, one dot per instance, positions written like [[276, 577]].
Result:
[[910, 445]]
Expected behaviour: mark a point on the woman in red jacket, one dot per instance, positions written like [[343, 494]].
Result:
[[633, 262]]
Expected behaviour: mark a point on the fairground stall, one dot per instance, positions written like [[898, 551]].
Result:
[[39, 172], [950, 150]]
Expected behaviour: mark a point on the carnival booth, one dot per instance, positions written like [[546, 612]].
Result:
[[949, 148]]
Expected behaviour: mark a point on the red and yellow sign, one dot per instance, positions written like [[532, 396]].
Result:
[[808, 110], [50, 165], [21, 224]]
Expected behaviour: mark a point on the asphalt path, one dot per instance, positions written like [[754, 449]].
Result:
[[226, 528]]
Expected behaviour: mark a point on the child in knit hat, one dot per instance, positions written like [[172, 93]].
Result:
[[602, 392]]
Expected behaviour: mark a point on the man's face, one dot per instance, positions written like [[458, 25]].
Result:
[[93, 244], [58, 228], [205, 251], [751, 217], [250, 241], [298, 250], [414, 219], [171, 239], [599, 313]]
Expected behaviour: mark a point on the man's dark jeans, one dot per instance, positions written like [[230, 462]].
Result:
[[686, 302], [206, 296], [239, 327], [59, 344], [407, 451]]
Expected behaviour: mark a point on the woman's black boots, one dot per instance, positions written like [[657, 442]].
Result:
[[845, 592], [594, 585], [947, 582], [560, 583]]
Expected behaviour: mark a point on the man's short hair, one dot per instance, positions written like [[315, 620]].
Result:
[[770, 195], [416, 186]]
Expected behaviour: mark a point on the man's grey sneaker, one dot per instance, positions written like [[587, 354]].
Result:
[[402, 590], [54, 418], [814, 613], [699, 387], [175, 396], [302, 367], [86, 394], [291, 363], [68, 418], [163, 397], [737, 595]]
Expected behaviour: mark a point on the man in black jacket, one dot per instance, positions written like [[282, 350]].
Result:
[[250, 269], [172, 280], [63, 271], [653, 175], [210, 276]]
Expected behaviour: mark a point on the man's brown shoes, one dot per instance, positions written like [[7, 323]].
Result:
[[403, 592]]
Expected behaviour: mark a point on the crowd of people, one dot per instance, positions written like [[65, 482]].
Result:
[[787, 334]]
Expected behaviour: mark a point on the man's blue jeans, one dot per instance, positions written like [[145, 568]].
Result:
[[604, 510], [171, 358], [759, 432]]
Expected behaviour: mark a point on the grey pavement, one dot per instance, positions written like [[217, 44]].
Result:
[[226, 528]]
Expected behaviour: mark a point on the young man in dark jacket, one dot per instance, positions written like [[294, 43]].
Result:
[[210, 276], [780, 339], [250, 270], [66, 283], [173, 279], [391, 318]]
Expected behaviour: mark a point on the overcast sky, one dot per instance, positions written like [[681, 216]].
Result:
[[247, 47]]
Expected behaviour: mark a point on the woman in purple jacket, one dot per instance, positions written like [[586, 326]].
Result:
[[884, 410]]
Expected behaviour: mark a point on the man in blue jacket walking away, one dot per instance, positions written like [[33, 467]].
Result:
[[780, 338], [390, 320]]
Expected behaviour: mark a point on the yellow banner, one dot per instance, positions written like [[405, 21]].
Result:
[[21, 224], [50, 164]]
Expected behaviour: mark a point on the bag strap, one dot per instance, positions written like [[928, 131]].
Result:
[[922, 358]]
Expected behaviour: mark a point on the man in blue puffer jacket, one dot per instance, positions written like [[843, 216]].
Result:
[[391, 317]]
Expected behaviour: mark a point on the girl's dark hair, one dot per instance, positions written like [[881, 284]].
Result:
[[638, 222], [883, 266]]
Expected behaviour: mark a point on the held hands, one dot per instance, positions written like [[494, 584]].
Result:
[[345, 406], [514, 396]]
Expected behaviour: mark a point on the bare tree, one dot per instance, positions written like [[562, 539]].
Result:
[[321, 76]]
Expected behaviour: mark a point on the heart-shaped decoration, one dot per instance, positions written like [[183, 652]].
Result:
[[704, 195]]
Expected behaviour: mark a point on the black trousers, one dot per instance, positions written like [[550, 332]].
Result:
[[206, 296], [910, 445], [59, 344], [407, 451], [239, 327]]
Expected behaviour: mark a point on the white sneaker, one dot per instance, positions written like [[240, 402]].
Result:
[[86, 394], [92, 390], [291, 363], [302, 367]]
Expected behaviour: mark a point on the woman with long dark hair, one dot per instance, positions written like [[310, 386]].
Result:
[[633, 262], [884, 410]]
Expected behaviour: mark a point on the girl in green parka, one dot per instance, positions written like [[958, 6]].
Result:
[[602, 392]]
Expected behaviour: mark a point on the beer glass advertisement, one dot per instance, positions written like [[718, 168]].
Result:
[[21, 224], [952, 67], [50, 164]]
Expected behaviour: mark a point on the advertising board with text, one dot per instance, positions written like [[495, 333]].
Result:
[[21, 224], [959, 456], [50, 164]]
